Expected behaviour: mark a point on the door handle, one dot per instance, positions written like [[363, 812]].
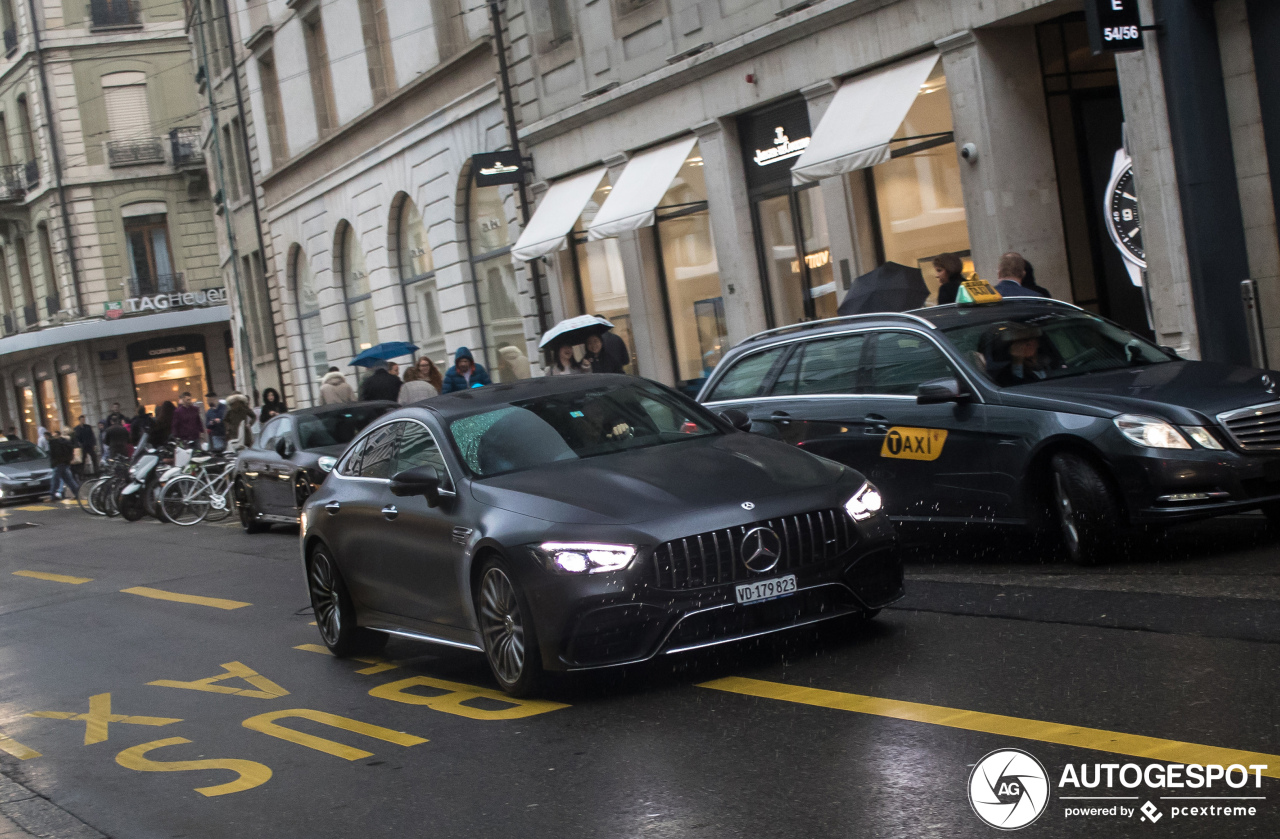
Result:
[[333, 507], [875, 425], [780, 417], [390, 512]]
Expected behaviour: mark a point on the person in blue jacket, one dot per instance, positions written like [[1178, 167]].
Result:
[[464, 373]]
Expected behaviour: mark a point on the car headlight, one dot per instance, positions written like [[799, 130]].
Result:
[[584, 557], [1202, 436], [326, 463], [865, 503], [1150, 432]]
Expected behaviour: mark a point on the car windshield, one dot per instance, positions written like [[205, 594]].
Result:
[[1051, 345], [570, 426], [336, 428], [19, 452]]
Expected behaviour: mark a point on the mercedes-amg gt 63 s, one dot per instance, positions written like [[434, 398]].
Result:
[[579, 522]]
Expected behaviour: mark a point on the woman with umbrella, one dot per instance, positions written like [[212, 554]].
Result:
[[570, 332], [562, 361]]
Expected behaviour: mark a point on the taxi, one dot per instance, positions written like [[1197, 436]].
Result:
[[1023, 411]]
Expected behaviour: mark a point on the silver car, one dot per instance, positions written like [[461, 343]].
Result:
[[24, 471]]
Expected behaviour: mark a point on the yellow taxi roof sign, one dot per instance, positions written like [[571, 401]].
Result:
[[977, 292]]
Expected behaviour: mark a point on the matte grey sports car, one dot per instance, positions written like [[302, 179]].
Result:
[[585, 521], [24, 471]]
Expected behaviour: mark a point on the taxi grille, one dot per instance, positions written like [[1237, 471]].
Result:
[[1256, 428], [715, 558]]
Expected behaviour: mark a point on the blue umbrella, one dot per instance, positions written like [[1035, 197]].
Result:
[[382, 352]]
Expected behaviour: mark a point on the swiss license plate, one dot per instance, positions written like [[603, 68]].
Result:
[[767, 589]]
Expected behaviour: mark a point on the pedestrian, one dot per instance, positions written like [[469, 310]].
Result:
[[86, 441], [215, 422], [161, 429], [115, 412], [564, 363], [599, 359], [334, 388], [1009, 273], [430, 373], [948, 270], [381, 385], [393, 368], [1029, 281], [465, 372], [61, 453], [238, 422], [512, 364], [187, 424], [115, 440], [415, 388], [42, 439], [272, 405], [142, 423]]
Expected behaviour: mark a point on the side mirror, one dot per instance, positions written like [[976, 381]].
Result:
[[738, 419], [285, 448], [939, 391], [420, 480]]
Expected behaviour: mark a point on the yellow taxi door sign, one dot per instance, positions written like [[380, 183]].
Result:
[[977, 291], [907, 443]]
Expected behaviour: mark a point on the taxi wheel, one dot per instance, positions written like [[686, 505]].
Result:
[[506, 626], [1085, 508], [335, 614]]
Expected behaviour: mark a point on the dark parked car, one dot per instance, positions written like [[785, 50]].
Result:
[[575, 522], [291, 457], [1022, 412], [24, 471]]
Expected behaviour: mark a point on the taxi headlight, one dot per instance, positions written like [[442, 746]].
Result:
[[865, 503], [1202, 436], [584, 557], [326, 463], [1150, 432]]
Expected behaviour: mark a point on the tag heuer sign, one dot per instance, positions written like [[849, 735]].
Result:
[[114, 309], [498, 167], [1114, 25]]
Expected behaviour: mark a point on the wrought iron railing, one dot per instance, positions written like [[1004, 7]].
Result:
[[184, 144], [12, 182], [11, 40], [135, 151], [105, 14], [31, 171], [30, 315], [158, 284]]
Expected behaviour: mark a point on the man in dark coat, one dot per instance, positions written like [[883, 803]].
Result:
[[381, 385], [465, 372], [116, 439], [83, 437], [61, 453], [187, 423]]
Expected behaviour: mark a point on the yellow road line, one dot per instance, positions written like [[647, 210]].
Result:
[[1134, 745], [13, 747], [36, 508], [380, 665], [53, 578], [159, 594]]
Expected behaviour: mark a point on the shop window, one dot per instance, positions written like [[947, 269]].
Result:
[[418, 279], [919, 204], [69, 384], [494, 281], [150, 261], [314, 351], [318, 71], [49, 413], [361, 317], [377, 48], [597, 285], [27, 412], [163, 368]]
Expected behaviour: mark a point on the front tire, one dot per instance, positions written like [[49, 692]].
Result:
[[248, 515], [335, 614], [506, 624], [131, 506], [1085, 509]]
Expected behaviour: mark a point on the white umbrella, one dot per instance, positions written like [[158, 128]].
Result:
[[586, 324]]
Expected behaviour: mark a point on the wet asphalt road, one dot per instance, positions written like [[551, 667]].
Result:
[[1179, 642]]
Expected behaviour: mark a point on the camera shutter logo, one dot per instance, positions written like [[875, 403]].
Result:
[[1008, 789], [761, 550]]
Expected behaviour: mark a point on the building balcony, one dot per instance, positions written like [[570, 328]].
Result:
[[29, 315], [113, 14], [185, 147], [149, 286], [13, 182], [137, 151], [10, 41]]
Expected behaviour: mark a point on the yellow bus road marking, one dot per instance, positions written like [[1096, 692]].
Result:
[[377, 665], [36, 508], [1133, 745], [263, 688], [53, 578], [160, 594], [250, 773], [97, 721], [8, 745]]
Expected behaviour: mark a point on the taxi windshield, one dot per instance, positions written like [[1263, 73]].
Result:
[[1054, 345], [20, 452], [569, 426]]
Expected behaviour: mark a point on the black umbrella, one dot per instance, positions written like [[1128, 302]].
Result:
[[889, 288]]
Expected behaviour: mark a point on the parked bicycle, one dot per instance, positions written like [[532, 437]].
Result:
[[203, 493]]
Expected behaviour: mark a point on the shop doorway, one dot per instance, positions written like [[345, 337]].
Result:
[[163, 368], [49, 413], [27, 412]]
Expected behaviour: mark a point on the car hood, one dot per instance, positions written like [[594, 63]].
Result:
[[20, 471], [667, 480], [1181, 391]]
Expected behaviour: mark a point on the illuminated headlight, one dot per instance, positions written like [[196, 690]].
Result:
[[1150, 432], [302, 525], [326, 463], [584, 557], [865, 503], [1202, 436]]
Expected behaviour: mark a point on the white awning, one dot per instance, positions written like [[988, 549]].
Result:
[[862, 118], [640, 187], [556, 214]]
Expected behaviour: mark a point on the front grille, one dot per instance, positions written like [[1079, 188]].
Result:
[[715, 558], [1254, 429]]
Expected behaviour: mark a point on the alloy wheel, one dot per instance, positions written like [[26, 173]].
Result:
[[502, 626], [1066, 513], [325, 601]]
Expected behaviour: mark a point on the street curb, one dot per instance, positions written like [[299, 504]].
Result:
[[36, 815]]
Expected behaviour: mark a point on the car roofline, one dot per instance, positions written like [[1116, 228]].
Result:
[[836, 321]]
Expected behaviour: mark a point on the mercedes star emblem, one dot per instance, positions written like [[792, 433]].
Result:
[[761, 550], [747, 505], [1268, 384]]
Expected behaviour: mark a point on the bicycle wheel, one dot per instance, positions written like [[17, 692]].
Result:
[[104, 496], [184, 501], [84, 496]]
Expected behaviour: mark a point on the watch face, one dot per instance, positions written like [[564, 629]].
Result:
[[1122, 212]]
